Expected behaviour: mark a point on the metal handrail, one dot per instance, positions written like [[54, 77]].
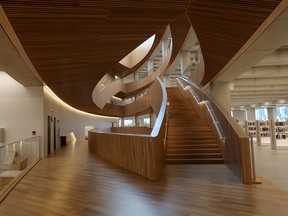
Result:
[[210, 110], [254, 177], [166, 123], [215, 120]]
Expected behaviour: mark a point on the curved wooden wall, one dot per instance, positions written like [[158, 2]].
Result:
[[73, 44], [131, 130], [180, 29], [141, 154]]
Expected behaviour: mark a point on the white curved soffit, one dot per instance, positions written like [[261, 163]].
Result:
[[138, 53], [108, 86]]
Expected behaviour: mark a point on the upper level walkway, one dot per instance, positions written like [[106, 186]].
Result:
[[73, 181]]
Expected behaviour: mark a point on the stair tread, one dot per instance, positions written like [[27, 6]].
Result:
[[195, 161], [196, 155], [190, 137]]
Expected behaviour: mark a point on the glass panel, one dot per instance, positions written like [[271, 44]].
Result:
[[144, 120], [261, 114], [16, 157], [282, 113], [129, 122]]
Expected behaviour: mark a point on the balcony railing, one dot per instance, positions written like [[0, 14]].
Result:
[[15, 160]]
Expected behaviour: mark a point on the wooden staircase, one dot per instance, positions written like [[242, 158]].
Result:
[[190, 138]]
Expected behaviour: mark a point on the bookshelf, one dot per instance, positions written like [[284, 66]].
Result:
[[251, 128], [264, 128], [280, 128]]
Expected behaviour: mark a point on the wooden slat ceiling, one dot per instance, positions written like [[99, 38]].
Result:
[[222, 28], [73, 43]]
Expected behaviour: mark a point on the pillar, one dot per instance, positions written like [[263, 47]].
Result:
[[271, 116], [165, 43], [251, 116], [150, 66], [271, 113], [184, 60], [220, 91], [166, 80], [136, 76]]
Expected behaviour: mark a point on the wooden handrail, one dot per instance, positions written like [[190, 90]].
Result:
[[139, 153], [162, 109], [232, 140]]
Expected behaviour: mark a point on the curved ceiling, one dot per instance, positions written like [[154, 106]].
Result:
[[73, 44], [223, 27]]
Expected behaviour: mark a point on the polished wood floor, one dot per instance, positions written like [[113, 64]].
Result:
[[4, 181], [75, 182]]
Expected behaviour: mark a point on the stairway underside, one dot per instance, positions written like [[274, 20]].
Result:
[[190, 138]]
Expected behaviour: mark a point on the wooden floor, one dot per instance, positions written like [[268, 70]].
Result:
[[4, 181], [75, 182]]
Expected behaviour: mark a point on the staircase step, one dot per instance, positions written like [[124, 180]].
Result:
[[177, 130], [190, 138], [192, 142], [194, 120], [189, 130], [191, 146], [193, 151], [194, 155], [195, 161]]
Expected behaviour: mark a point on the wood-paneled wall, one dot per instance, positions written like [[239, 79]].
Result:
[[235, 147], [138, 106], [139, 153], [131, 130]]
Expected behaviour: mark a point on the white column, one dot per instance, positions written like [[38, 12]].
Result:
[[220, 91], [251, 116], [271, 116], [184, 60], [136, 76], [166, 81], [271, 113], [258, 133], [165, 43], [150, 66]]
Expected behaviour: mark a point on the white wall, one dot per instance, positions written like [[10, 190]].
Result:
[[70, 119], [240, 115], [21, 109], [26, 109]]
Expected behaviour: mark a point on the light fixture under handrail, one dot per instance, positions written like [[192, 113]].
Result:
[[208, 107]]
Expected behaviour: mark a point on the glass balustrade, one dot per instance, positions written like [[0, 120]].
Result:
[[16, 157]]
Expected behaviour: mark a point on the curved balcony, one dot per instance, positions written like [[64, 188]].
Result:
[[179, 30], [140, 153]]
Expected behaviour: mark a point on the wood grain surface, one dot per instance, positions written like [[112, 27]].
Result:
[[73, 181]]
